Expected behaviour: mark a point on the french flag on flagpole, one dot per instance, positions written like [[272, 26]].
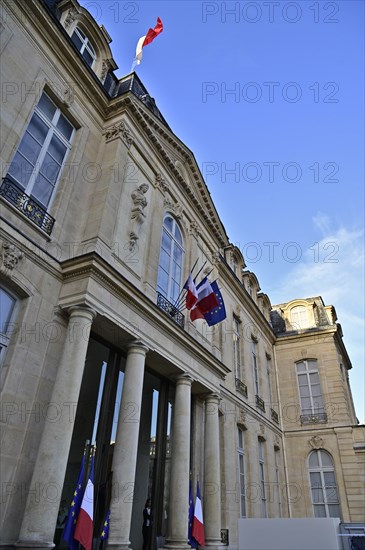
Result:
[[198, 523], [192, 293], [85, 522], [145, 40], [207, 300]]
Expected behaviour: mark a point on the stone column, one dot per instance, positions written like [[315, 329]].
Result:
[[212, 476], [41, 510], [180, 465], [126, 447]]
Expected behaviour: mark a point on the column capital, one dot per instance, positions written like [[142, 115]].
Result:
[[82, 311], [213, 397], [183, 379], [137, 346]]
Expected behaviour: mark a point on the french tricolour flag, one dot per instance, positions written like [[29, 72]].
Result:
[[207, 300], [192, 293], [85, 521], [147, 39], [198, 523]]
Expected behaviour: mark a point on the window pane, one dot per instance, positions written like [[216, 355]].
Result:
[[312, 365], [241, 463], [165, 260], [313, 460], [64, 127], [240, 439], [243, 506], [317, 495], [300, 367], [331, 495], [320, 511], [326, 459], [7, 303], [42, 190], [57, 149], [38, 129], [88, 58], [47, 107], [76, 40], [177, 235], [302, 380], [304, 391], [168, 223], [166, 242], [30, 148], [329, 478], [21, 170], [49, 169], [334, 511], [314, 377]]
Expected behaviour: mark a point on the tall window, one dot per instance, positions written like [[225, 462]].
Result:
[[255, 366], [171, 260], [277, 475], [299, 317], [262, 479], [323, 485], [237, 347], [309, 387], [7, 305], [42, 151], [242, 472], [82, 43], [268, 372]]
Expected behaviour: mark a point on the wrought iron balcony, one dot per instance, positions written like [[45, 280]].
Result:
[[241, 387], [173, 312], [260, 403], [315, 418], [274, 416], [25, 204]]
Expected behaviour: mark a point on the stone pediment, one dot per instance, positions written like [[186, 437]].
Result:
[[181, 164]]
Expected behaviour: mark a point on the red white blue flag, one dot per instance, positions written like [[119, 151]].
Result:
[[206, 302], [85, 521], [192, 293], [198, 523]]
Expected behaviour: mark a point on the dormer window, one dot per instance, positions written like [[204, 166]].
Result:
[[299, 317], [84, 46]]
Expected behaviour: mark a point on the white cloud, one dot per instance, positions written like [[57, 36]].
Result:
[[334, 269]]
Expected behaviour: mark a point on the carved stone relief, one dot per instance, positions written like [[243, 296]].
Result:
[[137, 214]]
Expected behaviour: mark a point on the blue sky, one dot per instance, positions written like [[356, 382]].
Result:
[[269, 97]]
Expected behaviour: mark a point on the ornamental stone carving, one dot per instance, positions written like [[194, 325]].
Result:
[[106, 66], [70, 18], [137, 214], [161, 183], [10, 256], [241, 416], [176, 208], [316, 442], [120, 130], [194, 230]]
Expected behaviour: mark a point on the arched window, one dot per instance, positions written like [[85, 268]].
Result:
[[82, 43], [299, 317], [310, 392], [7, 306], [171, 260], [323, 485]]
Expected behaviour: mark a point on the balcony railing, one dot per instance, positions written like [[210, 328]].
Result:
[[173, 312], [315, 418], [25, 204], [274, 416], [241, 387], [260, 403]]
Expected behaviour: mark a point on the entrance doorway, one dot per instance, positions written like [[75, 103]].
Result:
[[95, 426]]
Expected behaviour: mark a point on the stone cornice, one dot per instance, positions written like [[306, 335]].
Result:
[[92, 266]]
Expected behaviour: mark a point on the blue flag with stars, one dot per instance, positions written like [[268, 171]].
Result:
[[74, 509], [217, 314], [105, 532]]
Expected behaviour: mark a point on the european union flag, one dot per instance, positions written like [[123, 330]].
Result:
[[217, 314], [105, 532], [191, 539], [73, 512]]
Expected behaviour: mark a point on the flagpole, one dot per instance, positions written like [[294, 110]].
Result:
[[196, 276], [178, 299]]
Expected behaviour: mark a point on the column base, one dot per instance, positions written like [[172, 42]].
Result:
[[176, 545], [123, 545], [20, 544]]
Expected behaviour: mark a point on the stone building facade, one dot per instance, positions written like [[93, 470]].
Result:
[[104, 211]]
